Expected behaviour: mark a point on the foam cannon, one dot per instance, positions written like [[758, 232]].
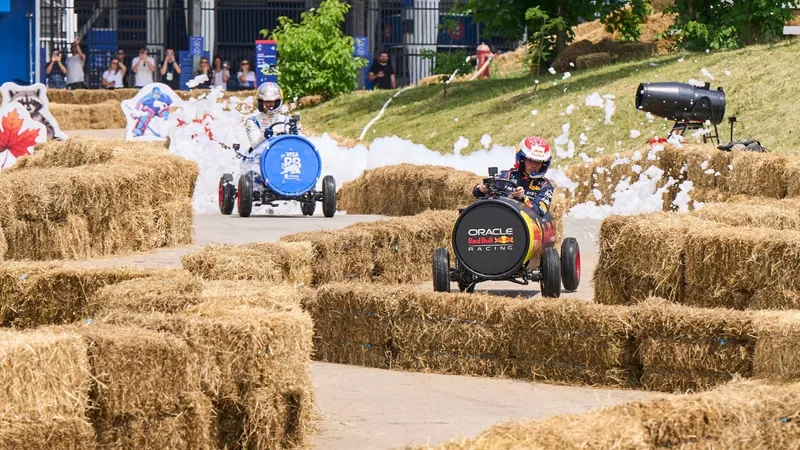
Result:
[[688, 105]]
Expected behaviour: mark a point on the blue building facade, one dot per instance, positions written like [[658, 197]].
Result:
[[17, 42]]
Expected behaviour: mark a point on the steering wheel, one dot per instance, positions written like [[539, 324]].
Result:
[[272, 133], [502, 186]]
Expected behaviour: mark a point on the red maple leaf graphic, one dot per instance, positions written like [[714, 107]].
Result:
[[13, 139]]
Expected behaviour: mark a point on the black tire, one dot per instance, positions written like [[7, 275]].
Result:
[[570, 264], [244, 195], [227, 194], [308, 208], [441, 270], [328, 196], [551, 273]]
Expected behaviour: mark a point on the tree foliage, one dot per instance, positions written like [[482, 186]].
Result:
[[314, 57], [509, 18], [445, 63], [725, 24]]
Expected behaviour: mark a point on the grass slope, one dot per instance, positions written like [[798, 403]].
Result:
[[761, 90]]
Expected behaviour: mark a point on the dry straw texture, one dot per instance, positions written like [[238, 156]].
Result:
[[741, 415], [407, 189], [723, 255], [97, 116], [35, 294], [85, 197], [565, 341], [252, 349], [272, 261], [684, 349]]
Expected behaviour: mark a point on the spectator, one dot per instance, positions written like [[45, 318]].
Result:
[[204, 69], [381, 73], [56, 71], [143, 66], [75, 66], [112, 78], [122, 66], [171, 70], [221, 73], [246, 76]]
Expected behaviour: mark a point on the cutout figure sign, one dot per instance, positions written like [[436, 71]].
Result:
[[34, 100], [19, 134], [148, 113]]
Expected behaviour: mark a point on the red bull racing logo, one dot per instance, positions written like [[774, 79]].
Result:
[[490, 240]]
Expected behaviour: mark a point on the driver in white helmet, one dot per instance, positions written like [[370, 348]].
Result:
[[270, 100], [532, 161]]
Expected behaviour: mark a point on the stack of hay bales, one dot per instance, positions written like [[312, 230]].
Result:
[[251, 348], [84, 197], [271, 261], [719, 256], [738, 415], [166, 362], [407, 189], [92, 116], [715, 175], [400, 327]]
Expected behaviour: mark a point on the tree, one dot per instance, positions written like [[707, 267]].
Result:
[[508, 18], [314, 57]]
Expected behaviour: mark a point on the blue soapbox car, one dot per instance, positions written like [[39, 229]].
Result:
[[288, 168]]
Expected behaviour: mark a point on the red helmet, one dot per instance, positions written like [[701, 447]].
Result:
[[535, 149]]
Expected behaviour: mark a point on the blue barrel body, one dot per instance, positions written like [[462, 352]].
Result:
[[291, 165]]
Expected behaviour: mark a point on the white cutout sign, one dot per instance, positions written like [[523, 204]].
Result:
[[19, 134], [148, 114], [34, 99]]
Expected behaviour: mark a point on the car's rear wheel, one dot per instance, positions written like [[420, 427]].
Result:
[[244, 195], [570, 264], [551, 273], [328, 196], [441, 270], [308, 208], [227, 194]]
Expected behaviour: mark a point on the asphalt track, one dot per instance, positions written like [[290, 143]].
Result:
[[364, 408]]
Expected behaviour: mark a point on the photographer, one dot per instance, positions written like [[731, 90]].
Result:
[[221, 73], [56, 71], [171, 70], [532, 161], [75, 64], [143, 66]]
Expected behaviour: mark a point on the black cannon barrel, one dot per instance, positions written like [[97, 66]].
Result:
[[681, 101]]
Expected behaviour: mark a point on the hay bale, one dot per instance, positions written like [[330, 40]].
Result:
[[271, 261], [583, 174], [353, 324], [776, 358], [593, 60], [55, 432], [791, 178], [702, 165], [277, 420], [739, 415], [571, 54], [570, 341], [691, 348], [74, 152], [402, 247], [757, 174], [338, 255], [626, 244], [43, 375], [169, 295], [407, 189], [35, 294], [766, 213], [742, 258], [174, 223]]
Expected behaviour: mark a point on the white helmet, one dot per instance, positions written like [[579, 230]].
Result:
[[268, 92]]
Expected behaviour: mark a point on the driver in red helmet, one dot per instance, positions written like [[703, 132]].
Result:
[[532, 161]]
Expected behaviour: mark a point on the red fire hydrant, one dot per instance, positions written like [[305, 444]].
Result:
[[483, 56]]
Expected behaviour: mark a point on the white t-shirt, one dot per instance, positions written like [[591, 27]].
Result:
[[218, 78], [114, 79], [74, 69], [250, 79], [144, 75]]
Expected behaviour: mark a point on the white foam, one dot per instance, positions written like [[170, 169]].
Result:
[[486, 140], [595, 100]]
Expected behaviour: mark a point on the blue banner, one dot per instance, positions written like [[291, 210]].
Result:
[[196, 45], [186, 60], [361, 50], [266, 61]]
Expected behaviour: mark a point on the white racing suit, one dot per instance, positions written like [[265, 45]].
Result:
[[256, 126]]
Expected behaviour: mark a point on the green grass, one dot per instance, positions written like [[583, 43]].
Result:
[[762, 91]]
